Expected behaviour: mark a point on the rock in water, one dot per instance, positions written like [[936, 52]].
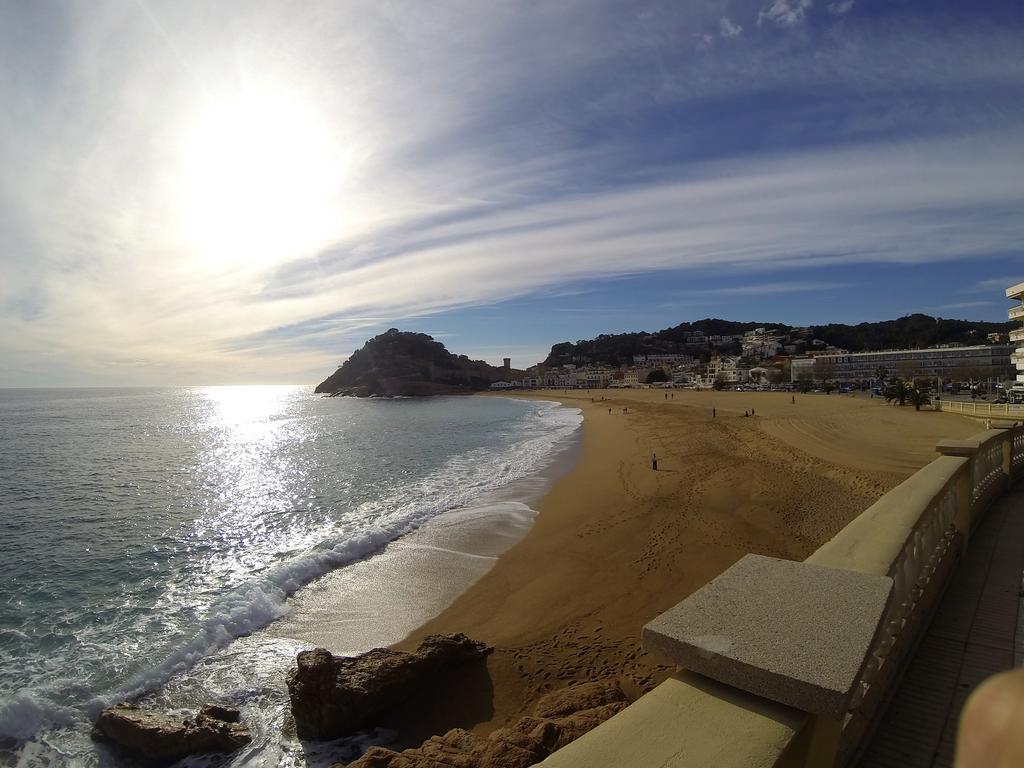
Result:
[[332, 696], [164, 738], [561, 717]]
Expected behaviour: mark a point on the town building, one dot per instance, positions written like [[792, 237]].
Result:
[[726, 369], [655, 361], [761, 343], [801, 369], [593, 378], [982, 362], [1016, 292]]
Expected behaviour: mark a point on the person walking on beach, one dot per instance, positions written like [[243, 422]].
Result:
[[654, 462], [792, 399], [713, 413]]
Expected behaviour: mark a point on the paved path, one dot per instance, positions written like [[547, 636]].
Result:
[[977, 631]]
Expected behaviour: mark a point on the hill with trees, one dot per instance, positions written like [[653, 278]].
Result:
[[906, 332], [399, 363]]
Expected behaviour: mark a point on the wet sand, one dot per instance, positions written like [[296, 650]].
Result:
[[615, 543]]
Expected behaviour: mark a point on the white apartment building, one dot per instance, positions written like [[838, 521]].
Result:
[[726, 369], [801, 367], [1016, 292], [593, 378], [656, 361]]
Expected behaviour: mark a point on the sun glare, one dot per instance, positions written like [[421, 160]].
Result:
[[257, 181]]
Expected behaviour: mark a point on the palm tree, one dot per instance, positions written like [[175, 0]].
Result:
[[880, 373], [918, 396], [897, 391]]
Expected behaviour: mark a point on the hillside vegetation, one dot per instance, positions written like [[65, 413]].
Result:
[[906, 332], [398, 363]]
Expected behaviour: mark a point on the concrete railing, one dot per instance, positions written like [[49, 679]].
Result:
[[982, 409], [756, 713]]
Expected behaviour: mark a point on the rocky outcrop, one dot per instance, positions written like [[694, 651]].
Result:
[[398, 363], [164, 738], [560, 718], [332, 696]]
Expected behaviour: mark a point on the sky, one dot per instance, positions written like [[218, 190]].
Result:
[[244, 192]]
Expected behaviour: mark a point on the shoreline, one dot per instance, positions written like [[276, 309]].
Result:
[[347, 611], [616, 543]]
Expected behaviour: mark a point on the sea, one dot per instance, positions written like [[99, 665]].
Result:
[[152, 538]]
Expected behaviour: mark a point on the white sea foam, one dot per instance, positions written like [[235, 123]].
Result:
[[521, 450], [255, 605]]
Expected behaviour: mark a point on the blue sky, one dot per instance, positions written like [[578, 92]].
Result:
[[197, 193]]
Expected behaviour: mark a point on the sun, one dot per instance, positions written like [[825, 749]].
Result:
[[257, 180]]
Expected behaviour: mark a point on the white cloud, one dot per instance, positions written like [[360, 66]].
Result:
[[997, 285], [763, 289], [965, 305], [785, 13], [841, 7], [454, 182], [727, 28]]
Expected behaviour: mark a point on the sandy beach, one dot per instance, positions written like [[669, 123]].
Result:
[[615, 543]]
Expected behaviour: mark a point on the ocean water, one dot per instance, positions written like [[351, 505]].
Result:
[[147, 535]]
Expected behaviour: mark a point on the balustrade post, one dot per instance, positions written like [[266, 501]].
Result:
[[968, 449]]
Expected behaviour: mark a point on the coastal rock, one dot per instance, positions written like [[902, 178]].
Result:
[[164, 738], [560, 718], [335, 695], [577, 698], [220, 712], [402, 364]]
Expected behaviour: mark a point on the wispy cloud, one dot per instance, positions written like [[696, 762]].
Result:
[[785, 13], [767, 289], [841, 7], [727, 28], [474, 154], [962, 305], [995, 284]]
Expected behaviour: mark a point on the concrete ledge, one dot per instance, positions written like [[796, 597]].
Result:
[[685, 722], [873, 541], [968, 446], [794, 633]]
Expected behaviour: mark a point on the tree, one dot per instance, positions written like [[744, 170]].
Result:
[[719, 383], [824, 369], [828, 386], [897, 391], [907, 370], [917, 395], [656, 375], [881, 372], [804, 381]]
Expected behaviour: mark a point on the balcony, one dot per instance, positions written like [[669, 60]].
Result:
[[1015, 291], [1017, 335], [1016, 313]]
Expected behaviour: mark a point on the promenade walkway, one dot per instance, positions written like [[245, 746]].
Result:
[[977, 631]]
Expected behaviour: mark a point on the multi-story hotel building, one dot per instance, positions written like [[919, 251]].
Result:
[[982, 362], [1017, 358]]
